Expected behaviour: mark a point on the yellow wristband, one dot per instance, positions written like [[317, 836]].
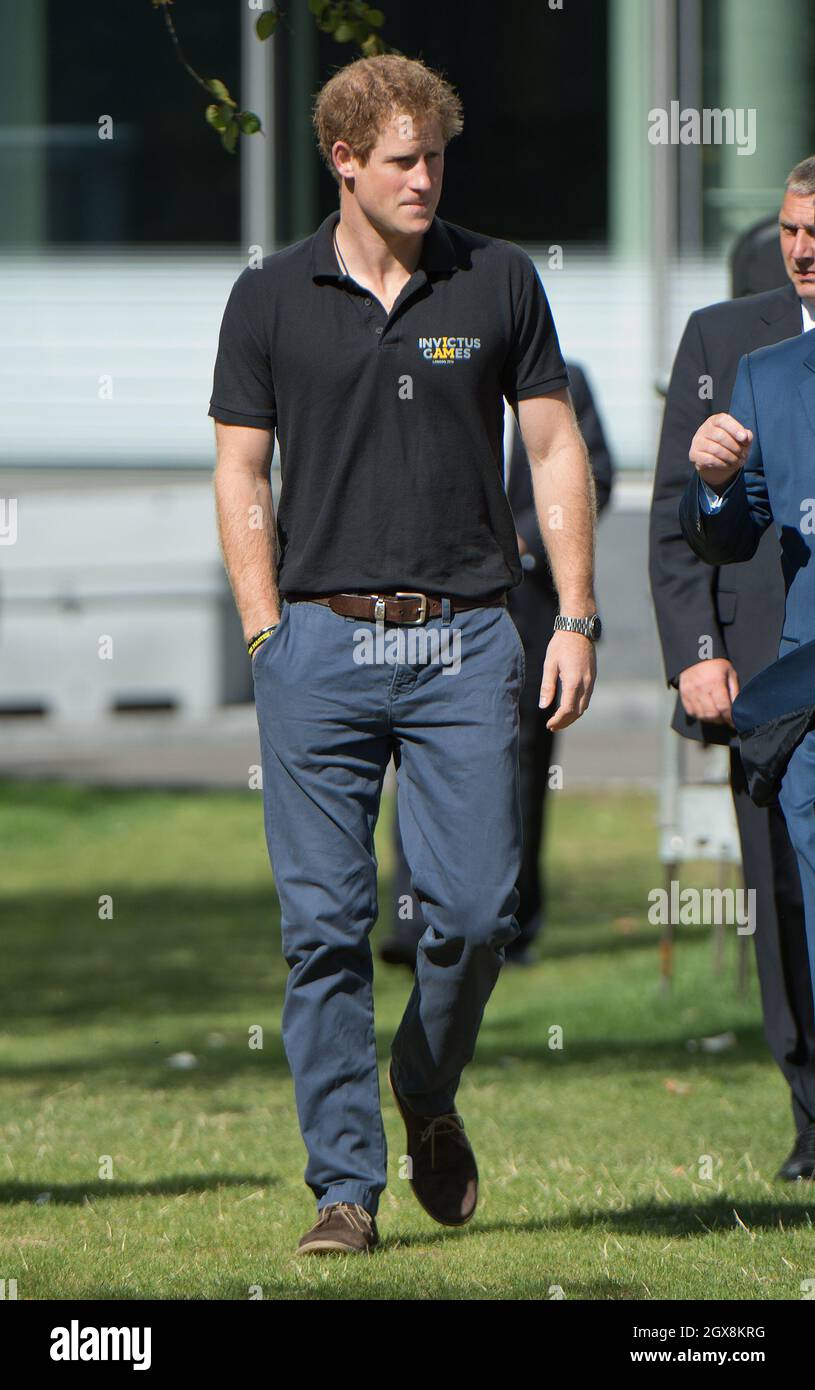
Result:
[[259, 638]]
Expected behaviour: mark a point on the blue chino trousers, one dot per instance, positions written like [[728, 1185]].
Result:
[[336, 698]]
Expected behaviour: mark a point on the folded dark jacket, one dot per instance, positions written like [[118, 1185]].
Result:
[[772, 714]]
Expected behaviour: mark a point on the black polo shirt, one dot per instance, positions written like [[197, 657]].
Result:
[[390, 425]]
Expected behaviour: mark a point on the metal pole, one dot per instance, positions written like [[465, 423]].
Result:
[[257, 152], [661, 186], [690, 156]]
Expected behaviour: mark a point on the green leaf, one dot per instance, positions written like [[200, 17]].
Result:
[[218, 89], [343, 32], [229, 139], [266, 24], [216, 118], [376, 18], [372, 45], [249, 122], [317, 6]]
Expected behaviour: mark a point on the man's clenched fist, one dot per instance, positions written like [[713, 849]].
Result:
[[720, 447]]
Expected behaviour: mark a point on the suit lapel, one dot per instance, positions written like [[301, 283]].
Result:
[[781, 317]]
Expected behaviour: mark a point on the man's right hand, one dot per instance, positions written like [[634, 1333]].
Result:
[[708, 689], [719, 449]]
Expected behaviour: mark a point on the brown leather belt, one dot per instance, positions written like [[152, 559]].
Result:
[[409, 608]]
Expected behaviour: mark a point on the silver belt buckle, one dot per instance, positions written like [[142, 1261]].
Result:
[[409, 593]]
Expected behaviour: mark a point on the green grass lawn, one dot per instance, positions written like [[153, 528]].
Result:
[[589, 1155]]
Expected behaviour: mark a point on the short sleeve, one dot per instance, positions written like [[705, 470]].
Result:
[[243, 389], [534, 365]]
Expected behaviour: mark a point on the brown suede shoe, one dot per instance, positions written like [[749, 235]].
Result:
[[445, 1176], [344, 1227]]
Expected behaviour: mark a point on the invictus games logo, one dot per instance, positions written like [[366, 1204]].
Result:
[[448, 349]]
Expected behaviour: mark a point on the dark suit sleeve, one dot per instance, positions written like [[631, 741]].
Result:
[[732, 532], [591, 428], [681, 585], [526, 519]]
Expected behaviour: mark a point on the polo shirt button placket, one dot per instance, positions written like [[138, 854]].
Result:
[[367, 301]]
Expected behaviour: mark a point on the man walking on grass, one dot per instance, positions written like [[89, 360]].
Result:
[[381, 349]]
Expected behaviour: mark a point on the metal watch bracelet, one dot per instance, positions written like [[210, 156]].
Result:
[[590, 626]]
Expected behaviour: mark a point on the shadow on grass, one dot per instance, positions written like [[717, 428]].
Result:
[[499, 1050], [173, 958], [172, 950], [691, 1219], [75, 1194], [147, 1068], [678, 1219], [688, 1219], [504, 1043], [191, 949]]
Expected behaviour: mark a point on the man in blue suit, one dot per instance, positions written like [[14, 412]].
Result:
[[756, 466]]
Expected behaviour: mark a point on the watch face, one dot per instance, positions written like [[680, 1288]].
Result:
[[596, 627]]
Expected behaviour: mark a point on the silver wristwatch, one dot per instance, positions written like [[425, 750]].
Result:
[[589, 627]]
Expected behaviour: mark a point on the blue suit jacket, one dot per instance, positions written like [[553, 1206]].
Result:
[[774, 396]]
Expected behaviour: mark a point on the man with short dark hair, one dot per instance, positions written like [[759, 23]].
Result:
[[719, 628], [381, 349]]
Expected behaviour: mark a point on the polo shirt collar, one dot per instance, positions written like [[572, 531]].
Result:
[[438, 253]]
